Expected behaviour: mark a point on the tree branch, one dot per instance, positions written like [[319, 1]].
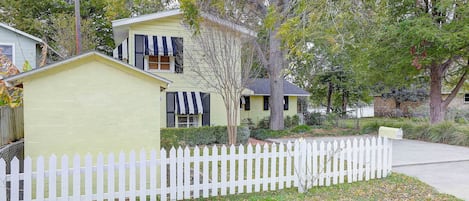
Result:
[[456, 89], [260, 52]]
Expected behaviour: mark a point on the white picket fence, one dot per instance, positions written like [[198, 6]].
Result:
[[198, 172]]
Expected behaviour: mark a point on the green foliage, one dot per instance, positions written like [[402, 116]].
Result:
[[445, 132], [264, 123], [301, 129], [200, 136], [262, 134], [313, 119]]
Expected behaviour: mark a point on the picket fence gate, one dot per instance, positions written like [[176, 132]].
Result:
[[197, 172]]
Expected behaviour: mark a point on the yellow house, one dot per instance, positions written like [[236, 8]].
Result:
[[90, 103], [256, 106], [159, 43]]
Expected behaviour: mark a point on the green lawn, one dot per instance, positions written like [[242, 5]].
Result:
[[394, 187]]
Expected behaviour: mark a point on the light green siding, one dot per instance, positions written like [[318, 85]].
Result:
[[257, 112], [24, 48], [187, 81], [90, 106]]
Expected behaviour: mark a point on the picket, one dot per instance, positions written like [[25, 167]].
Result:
[[335, 162], [40, 178], [249, 169], [379, 157], [328, 163], [187, 173], [100, 177], [223, 158], [196, 172], [342, 162], [191, 173], [361, 152], [367, 159], [205, 184]]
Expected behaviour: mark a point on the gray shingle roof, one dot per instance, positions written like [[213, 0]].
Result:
[[261, 86]]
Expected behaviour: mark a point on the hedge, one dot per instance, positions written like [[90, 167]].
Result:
[[174, 137]]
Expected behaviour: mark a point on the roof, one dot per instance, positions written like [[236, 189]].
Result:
[[261, 87], [21, 33], [122, 24], [22, 76]]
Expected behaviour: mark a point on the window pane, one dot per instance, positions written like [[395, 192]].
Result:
[[165, 66], [164, 58], [153, 58]]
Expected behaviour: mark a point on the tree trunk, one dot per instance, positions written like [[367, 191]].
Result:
[[437, 108], [329, 97], [344, 103], [276, 61]]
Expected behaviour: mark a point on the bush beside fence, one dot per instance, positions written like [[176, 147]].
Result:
[[175, 137]]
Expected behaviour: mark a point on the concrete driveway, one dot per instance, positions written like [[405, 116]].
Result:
[[444, 167]]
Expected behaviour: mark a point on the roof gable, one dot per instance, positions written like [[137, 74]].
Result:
[[97, 56], [261, 87], [122, 24], [21, 33]]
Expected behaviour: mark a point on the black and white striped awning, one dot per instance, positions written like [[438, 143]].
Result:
[[121, 52], [189, 103], [160, 45]]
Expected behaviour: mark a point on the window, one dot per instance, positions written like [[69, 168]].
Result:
[[7, 50], [160, 63], [266, 103], [188, 121], [466, 98], [285, 103]]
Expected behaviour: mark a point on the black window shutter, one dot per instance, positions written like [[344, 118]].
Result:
[[247, 105], [178, 44], [206, 106], [285, 104], [266, 103], [139, 51], [170, 109]]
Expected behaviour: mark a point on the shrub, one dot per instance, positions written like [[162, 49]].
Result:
[[262, 134], [313, 118], [200, 136], [264, 123], [301, 129]]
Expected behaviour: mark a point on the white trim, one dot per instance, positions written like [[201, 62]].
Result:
[[92, 53], [22, 33], [13, 53], [146, 64], [159, 15], [143, 18]]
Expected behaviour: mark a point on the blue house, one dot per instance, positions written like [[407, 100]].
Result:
[[19, 46]]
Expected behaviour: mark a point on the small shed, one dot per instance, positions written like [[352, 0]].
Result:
[[90, 103]]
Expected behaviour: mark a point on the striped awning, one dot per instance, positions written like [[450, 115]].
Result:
[[121, 52], [189, 103], [160, 45]]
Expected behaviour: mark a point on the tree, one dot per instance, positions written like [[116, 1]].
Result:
[[325, 51], [267, 17], [222, 66], [426, 38]]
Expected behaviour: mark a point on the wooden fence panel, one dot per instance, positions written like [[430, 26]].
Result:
[[11, 124]]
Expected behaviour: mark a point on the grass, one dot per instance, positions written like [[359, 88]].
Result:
[[394, 187]]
